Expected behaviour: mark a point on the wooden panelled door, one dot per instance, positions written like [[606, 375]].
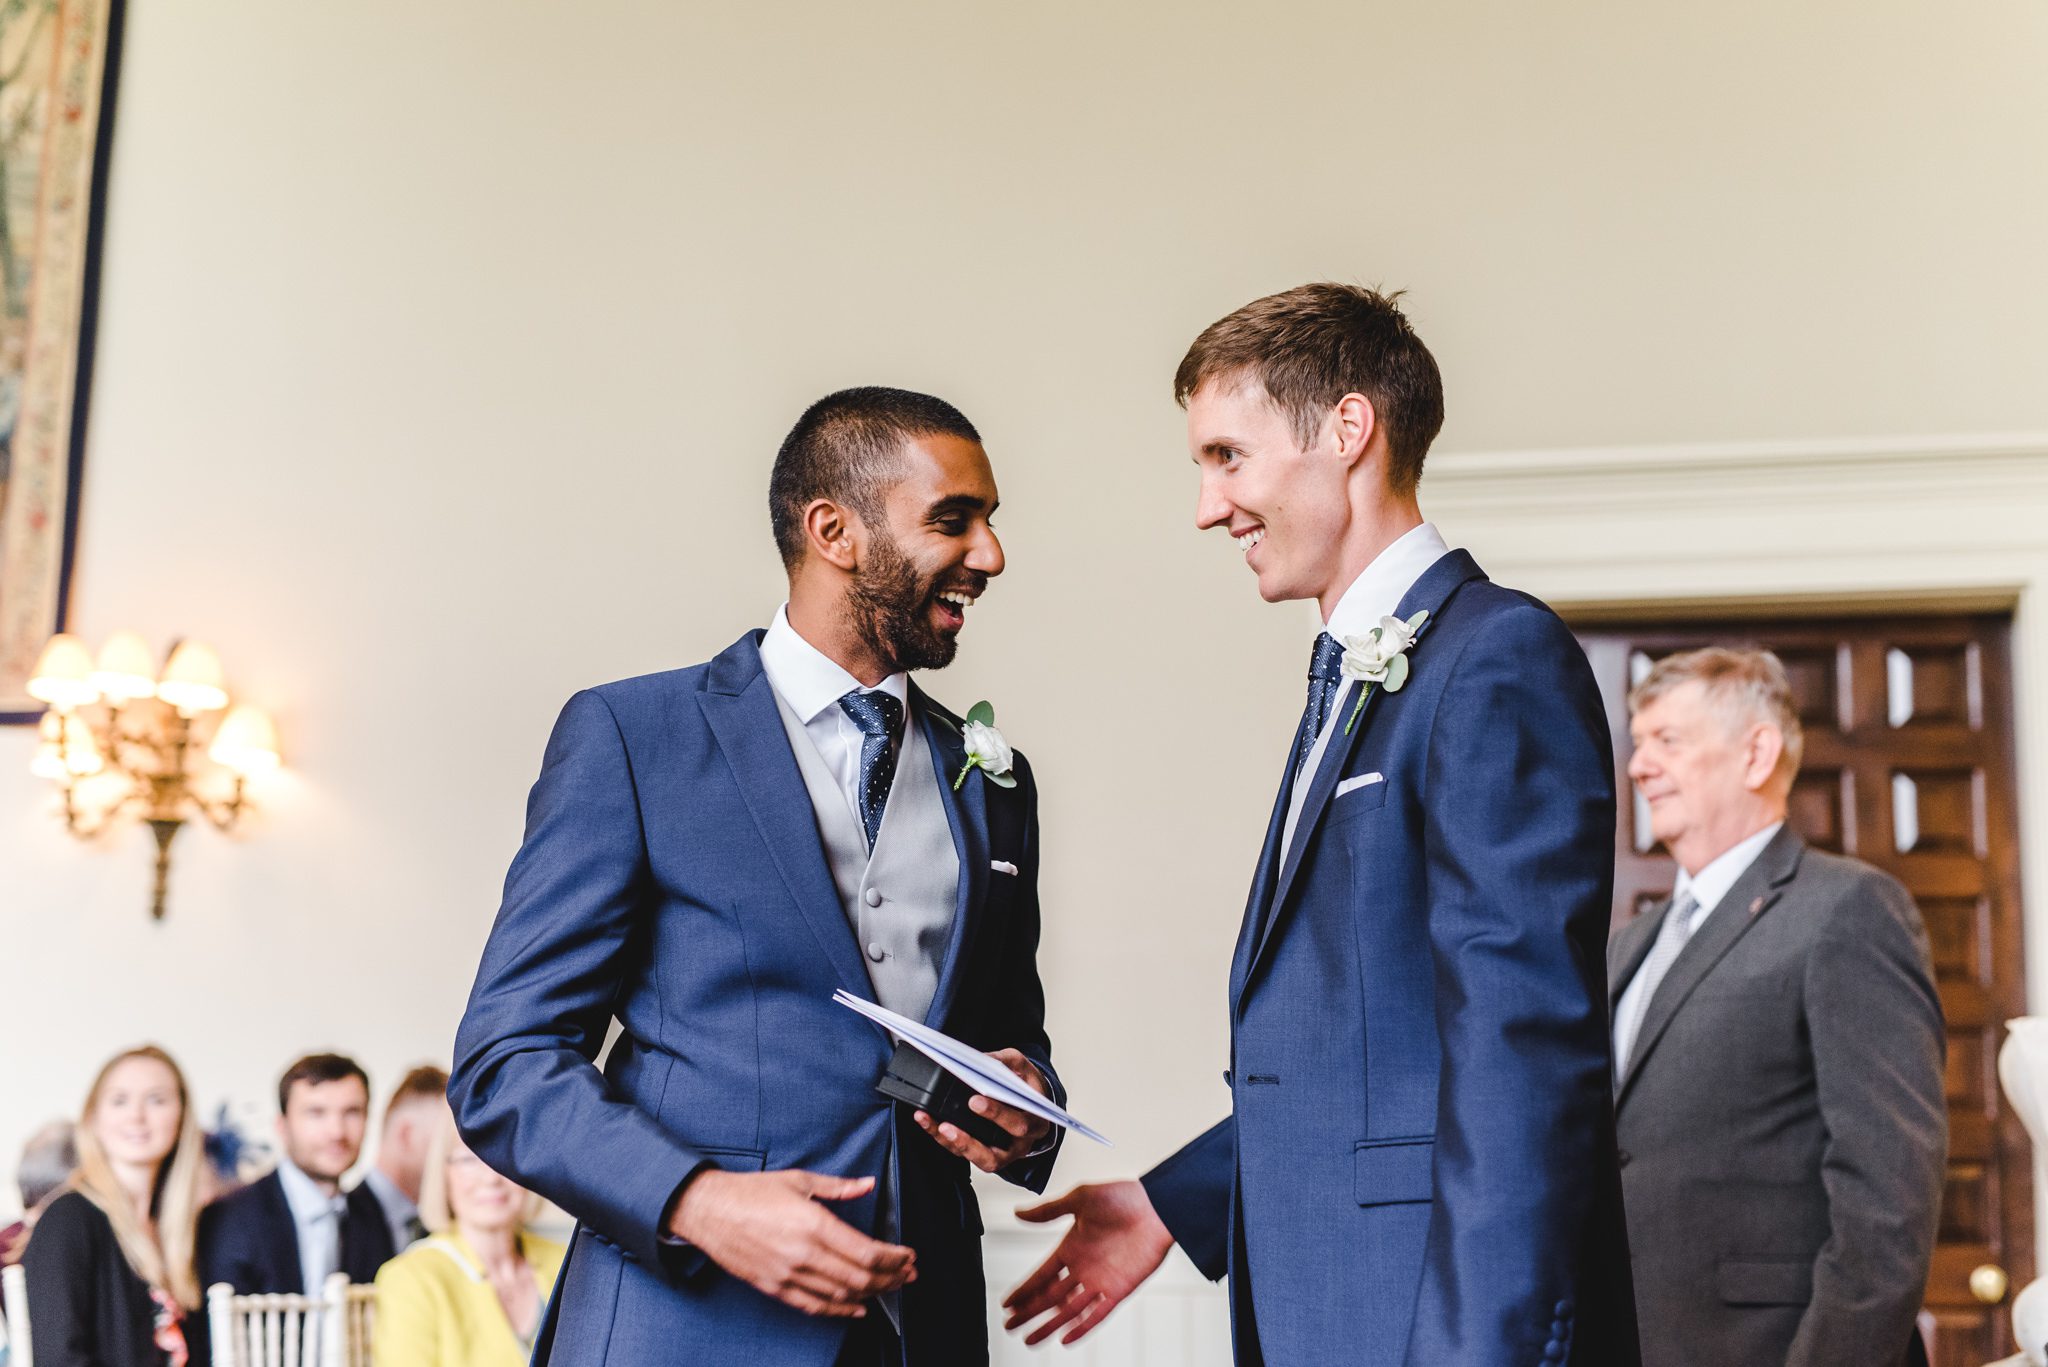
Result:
[[1909, 766]]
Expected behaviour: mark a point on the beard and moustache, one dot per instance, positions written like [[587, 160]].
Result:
[[891, 606]]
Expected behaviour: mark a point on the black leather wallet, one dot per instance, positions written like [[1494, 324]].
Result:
[[923, 1085]]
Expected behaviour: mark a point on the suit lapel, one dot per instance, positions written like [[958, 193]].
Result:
[[282, 1222], [1435, 588], [1753, 894], [1252, 932], [739, 706], [967, 814]]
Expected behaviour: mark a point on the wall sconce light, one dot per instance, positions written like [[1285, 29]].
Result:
[[122, 736]]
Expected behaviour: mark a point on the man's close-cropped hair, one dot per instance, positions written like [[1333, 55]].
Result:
[[1312, 345], [845, 448], [425, 1082], [316, 1069]]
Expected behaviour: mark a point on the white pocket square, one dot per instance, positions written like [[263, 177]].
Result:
[[1362, 781], [1003, 866]]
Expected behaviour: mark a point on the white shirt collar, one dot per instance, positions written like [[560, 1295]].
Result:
[[807, 678], [308, 1203], [1720, 874], [1382, 585]]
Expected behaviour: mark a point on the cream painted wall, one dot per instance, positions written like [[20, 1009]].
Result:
[[444, 349]]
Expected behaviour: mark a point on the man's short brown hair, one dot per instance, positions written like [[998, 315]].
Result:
[[423, 1083], [315, 1069], [1312, 345], [1744, 681]]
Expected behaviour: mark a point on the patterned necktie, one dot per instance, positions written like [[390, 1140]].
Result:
[[1671, 938], [879, 717], [1325, 674]]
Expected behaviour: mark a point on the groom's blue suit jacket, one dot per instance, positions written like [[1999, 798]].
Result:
[[1419, 1167], [672, 879]]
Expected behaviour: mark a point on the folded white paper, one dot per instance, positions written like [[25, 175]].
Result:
[[984, 1074]]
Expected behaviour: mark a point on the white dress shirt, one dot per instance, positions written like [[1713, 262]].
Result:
[[810, 683], [1707, 889], [1376, 592], [317, 1217]]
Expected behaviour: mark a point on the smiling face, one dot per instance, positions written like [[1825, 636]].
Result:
[[479, 1198], [930, 556], [322, 1126], [138, 1112], [1287, 508]]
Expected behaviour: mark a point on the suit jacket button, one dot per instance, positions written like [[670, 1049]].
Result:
[[873, 897], [1553, 1351], [1564, 1308], [877, 953], [1620, 1161]]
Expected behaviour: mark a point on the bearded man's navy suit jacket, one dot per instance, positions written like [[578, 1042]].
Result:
[[672, 879], [1419, 1167]]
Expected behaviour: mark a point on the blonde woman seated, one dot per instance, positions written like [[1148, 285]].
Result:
[[110, 1274], [471, 1294]]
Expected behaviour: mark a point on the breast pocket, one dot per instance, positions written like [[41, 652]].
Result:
[[1356, 794]]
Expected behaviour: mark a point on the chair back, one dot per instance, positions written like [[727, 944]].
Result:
[[331, 1330], [14, 1296]]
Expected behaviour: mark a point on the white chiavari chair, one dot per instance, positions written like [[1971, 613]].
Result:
[[14, 1295], [331, 1330]]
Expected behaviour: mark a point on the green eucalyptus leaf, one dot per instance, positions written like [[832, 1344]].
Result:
[[1418, 619], [1000, 780], [983, 712], [1397, 674]]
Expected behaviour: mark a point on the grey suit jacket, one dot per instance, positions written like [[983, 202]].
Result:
[[1782, 1122]]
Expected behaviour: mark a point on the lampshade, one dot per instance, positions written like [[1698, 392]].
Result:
[[127, 668], [246, 741], [192, 680], [63, 674]]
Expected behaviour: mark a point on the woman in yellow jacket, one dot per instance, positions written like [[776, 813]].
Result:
[[471, 1294]]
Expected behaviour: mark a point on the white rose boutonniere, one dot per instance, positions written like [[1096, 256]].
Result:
[[986, 748], [1379, 659]]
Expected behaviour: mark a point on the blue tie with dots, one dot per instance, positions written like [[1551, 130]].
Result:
[[1325, 673], [879, 717]]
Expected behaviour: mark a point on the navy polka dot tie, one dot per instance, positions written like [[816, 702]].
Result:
[[1325, 674], [879, 717]]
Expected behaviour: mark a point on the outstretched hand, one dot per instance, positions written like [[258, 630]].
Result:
[[769, 1230], [1116, 1241]]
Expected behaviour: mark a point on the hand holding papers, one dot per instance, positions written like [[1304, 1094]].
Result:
[[984, 1074]]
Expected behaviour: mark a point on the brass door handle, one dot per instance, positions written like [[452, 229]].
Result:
[[1988, 1283]]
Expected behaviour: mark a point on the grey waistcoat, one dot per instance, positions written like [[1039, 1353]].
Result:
[[902, 898]]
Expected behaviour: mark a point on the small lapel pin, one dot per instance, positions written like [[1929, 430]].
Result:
[[1756, 906]]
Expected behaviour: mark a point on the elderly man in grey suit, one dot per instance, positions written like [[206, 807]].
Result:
[[1778, 1053]]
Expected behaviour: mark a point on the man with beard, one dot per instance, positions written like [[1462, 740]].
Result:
[[709, 854]]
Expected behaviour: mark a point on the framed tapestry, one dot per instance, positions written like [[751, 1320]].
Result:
[[58, 62]]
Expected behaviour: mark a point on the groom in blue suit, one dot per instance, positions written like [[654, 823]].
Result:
[[709, 854], [1419, 1165]]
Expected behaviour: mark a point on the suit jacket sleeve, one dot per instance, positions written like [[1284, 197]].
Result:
[[1519, 848], [1024, 995], [527, 1094], [1875, 1022], [1190, 1192]]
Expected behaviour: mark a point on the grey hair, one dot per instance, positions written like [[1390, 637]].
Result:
[[1743, 680], [47, 1162]]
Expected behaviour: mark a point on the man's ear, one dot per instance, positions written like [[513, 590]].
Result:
[[1761, 751], [1355, 425], [833, 532]]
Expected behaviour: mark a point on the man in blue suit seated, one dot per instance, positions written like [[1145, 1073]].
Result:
[[1419, 1163], [710, 853], [293, 1229]]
